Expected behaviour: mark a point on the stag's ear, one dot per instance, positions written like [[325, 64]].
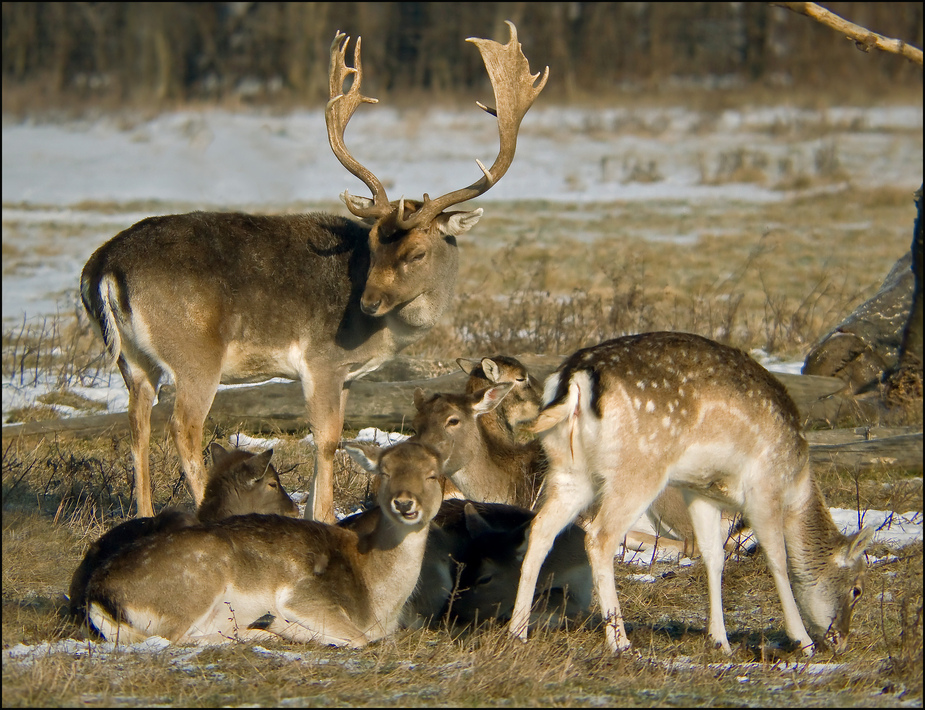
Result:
[[263, 461], [367, 455], [455, 223], [355, 203]]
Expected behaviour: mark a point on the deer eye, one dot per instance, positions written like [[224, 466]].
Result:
[[856, 593], [484, 579], [415, 257], [521, 379], [273, 484], [452, 421]]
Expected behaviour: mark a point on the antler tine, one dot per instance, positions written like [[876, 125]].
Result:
[[515, 90], [337, 113]]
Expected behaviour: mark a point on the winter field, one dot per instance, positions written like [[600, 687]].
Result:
[[761, 225]]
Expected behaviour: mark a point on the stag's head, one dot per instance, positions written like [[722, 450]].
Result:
[[409, 239]]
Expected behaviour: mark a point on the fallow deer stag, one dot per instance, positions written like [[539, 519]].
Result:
[[255, 577], [623, 419], [240, 482], [213, 297]]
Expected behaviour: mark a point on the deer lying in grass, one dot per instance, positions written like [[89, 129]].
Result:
[[210, 297], [263, 576], [625, 418], [476, 432], [240, 482]]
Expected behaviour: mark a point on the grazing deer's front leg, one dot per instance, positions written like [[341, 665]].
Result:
[[326, 398], [140, 401]]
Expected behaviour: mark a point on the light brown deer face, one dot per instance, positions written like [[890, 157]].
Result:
[[447, 422], [406, 263], [827, 605], [411, 479]]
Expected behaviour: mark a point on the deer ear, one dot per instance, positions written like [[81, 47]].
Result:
[[455, 223], [467, 365], [490, 397], [367, 455], [491, 369], [263, 461], [218, 452], [355, 203], [419, 396], [859, 542], [476, 524]]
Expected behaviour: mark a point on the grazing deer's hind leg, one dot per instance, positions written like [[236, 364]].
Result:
[[710, 536], [141, 388]]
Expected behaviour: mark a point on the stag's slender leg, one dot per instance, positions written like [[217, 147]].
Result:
[[326, 399], [194, 399], [707, 521], [140, 401]]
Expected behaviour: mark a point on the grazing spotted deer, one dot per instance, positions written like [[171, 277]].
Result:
[[263, 576], [476, 433], [623, 419], [227, 297], [240, 482]]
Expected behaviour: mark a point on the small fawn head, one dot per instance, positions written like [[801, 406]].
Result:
[[410, 479], [447, 422], [827, 602], [523, 402], [241, 482]]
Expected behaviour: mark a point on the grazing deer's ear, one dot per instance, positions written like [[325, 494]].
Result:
[[218, 452], [367, 455], [455, 223], [857, 544], [490, 397]]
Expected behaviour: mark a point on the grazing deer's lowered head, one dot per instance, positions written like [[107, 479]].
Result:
[[623, 419], [239, 483], [207, 298], [256, 577]]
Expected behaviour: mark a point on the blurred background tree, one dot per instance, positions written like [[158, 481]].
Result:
[[66, 55]]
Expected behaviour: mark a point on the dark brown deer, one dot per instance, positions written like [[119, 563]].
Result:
[[240, 482], [623, 419], [208, 298], [258, 577]]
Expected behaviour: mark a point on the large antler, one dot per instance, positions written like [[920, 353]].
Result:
[[337, 113], [515, 90]]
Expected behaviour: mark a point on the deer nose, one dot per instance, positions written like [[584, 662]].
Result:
[[368, 308], [405, 506]]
